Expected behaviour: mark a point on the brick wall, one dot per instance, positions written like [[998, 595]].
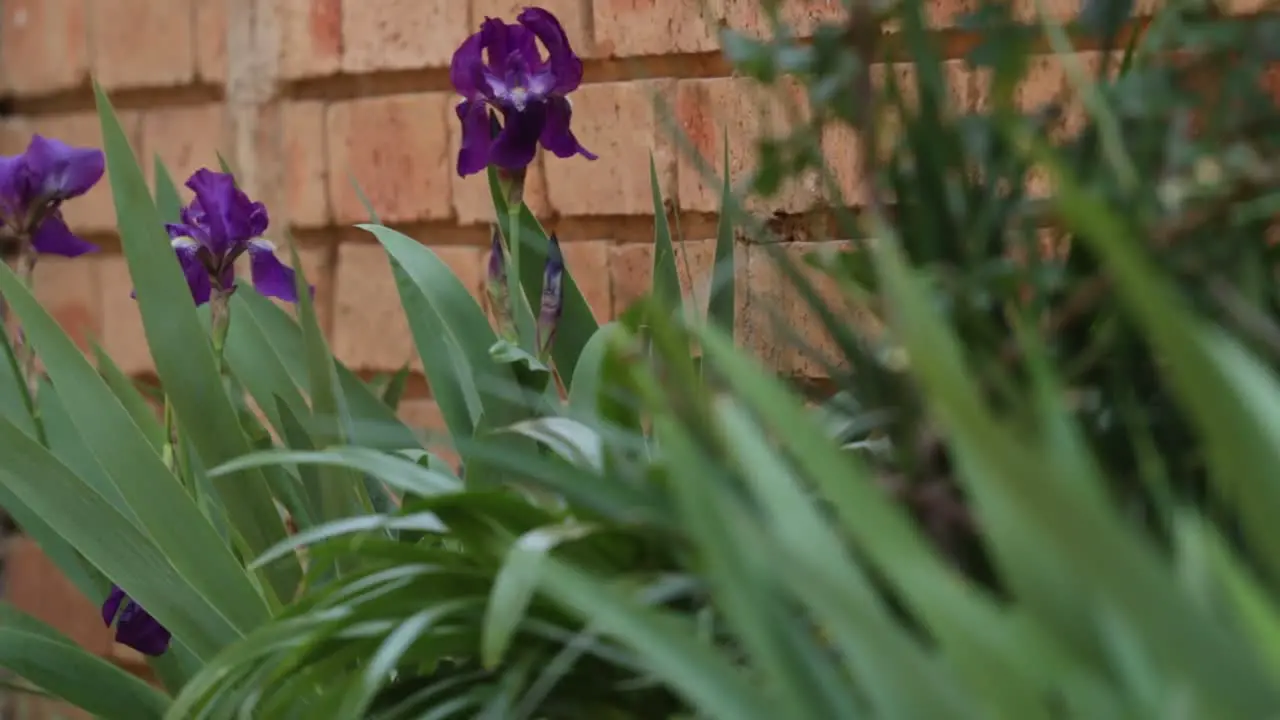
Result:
[[303, 95]]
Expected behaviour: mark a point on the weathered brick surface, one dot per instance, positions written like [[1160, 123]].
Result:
[[122, 334], [68, 289], [43, 45], [401, 34], [185, 138], [310, 37], [211, 40], [619, 123], [627, 28], [397, 150], [586, 261], [631, 268], [142, 43], [306, 172]]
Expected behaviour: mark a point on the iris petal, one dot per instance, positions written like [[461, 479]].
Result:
[[61, 171], [270, 276], [566, 65], [473, 154], [516, 145], [53, 237], [230, 217], [466, 58], [557, 136], [194, 270], [134, 626]]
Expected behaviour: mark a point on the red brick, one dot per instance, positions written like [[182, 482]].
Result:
[[588, 262], [749, 112], [43, 45], [142, 43], [123, 337], [95, 211], [395, 149], [310, 37], [618, 122], [574, 15], [627, 28], [34, 585], [631, 267], [842, 151], [402, 34], [211, 40], [306, 191], [369, 327], [471, 198], [186, 139], [370, 331], [68, 289]]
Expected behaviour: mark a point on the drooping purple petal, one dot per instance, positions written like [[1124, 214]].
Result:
[[53, 237], [557, 136], [134, 626], [194, 270], [516, 145], [466, 58], [565, 65], [473, 154], [229, 216], [61, 171], [270, 276], [495, 38]]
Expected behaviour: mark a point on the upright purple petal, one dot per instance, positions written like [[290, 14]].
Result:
[[566, 65], [516, 145], [270, 276], [230, 217], [53, 237], [473, 153], [557, 136], [495, 38], [194, 270], [60, 171], [466, 58]]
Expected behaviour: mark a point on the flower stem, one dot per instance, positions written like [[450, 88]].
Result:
[[24, 351], [513, 184], [220, 323]]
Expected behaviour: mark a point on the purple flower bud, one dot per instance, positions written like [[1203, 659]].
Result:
[[219, 226], [526, 88], [33, 187], [496, 285], [134, 626], [552, 297]]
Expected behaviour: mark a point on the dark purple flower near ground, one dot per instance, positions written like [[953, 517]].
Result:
[[501, 67], [219, 226], [134, 626], [33, 187], [552, 304]]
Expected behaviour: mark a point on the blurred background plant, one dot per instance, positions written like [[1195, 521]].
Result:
[[1044, 486]]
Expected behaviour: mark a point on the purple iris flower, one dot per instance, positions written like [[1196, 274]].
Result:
[[219, 226], [134, 626], [33, 186], [528, 90]]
